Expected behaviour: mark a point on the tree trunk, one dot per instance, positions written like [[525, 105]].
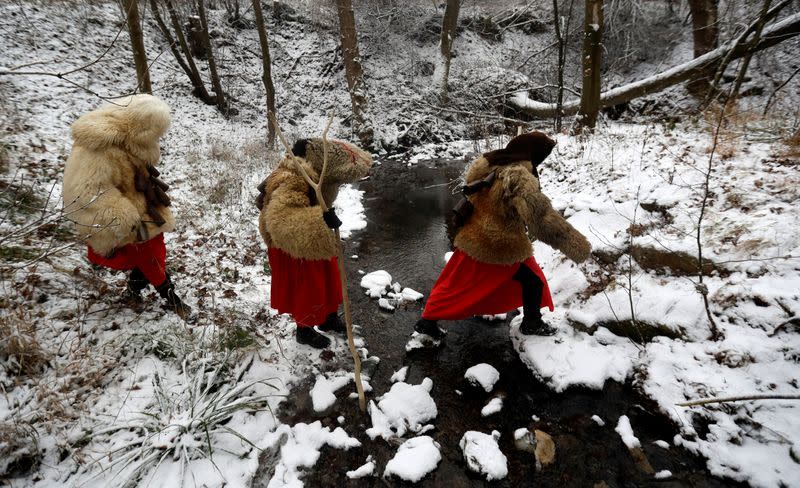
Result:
[[746, 59], [266, 62], [353, 71], [137, 45], [774, 34], [561, 32], [449, 30], [592, 65], [705, 33], [199, 87], [219, 94]]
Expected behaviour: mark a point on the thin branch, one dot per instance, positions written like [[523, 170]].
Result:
[[706, 401]]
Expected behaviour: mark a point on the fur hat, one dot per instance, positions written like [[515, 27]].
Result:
[[533, 147], [346, 162]]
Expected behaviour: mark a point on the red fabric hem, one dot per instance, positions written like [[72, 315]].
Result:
[[149, 256], [307, 289], [467, 287]]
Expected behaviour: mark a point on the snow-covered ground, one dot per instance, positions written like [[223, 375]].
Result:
[[99, 392]]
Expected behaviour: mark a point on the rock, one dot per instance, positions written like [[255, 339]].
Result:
[[641, 461], [525, 440], [545, 451]]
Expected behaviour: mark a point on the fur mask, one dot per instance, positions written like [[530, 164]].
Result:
[[346, 163]]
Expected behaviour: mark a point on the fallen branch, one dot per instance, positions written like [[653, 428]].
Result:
[[706, 401], [317, 187], [774, 34]]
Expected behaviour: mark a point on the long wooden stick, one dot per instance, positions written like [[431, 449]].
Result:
[[706, 401], [317, 187]]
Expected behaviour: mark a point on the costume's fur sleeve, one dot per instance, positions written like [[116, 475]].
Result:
[[521, 188], [102, 214], [289, 221]]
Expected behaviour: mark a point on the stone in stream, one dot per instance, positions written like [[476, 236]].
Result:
[[538, 443]]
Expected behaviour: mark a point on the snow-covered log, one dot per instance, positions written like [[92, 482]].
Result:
[[775, 34]]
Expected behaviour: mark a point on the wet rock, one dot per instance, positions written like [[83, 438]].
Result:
[[639, 331], [525, 440], [545, 449], [678, 263], [641, 461]]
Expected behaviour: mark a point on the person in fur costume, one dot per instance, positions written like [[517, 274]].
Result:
[[301, 246], [114, 197], [492, 269]]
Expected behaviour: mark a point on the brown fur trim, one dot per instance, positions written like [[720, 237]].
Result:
[[511, 213]]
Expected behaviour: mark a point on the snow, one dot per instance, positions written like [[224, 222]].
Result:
[[415, 458], [483, 455], [302, 449], [625, 431], [399, 375], [598, 420], [483, 375], [376, 283], [404, 408], [323, 393], [421, 341], [572, 357], [662, 444], [663, 474], [350, 210], [494, 406], [366, 469]]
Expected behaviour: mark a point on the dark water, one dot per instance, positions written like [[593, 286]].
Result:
[[406, 235]]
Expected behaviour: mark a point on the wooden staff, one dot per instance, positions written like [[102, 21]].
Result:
[[317, 187]]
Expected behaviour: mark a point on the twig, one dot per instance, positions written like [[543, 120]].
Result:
[[706, 401]]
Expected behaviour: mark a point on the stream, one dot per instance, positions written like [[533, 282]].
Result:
[[406, 208]]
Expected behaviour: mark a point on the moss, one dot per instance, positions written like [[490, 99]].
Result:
[[233, 338], [17, 254]]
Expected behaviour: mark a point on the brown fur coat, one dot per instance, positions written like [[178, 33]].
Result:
[[510, 214], [110, 191], [291, 218]]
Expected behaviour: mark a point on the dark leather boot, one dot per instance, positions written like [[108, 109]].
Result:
[[136, 283], [333, 324], [429, 328], [536, 326], [174, 302], [532, 288], [310, 337]]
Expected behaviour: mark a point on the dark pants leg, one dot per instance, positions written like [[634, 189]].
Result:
[[532, 288]]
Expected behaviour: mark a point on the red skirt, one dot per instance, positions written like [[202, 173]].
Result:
[[308, 289], [149, 256], [467, 287]]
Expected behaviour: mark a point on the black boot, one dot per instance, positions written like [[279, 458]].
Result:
[[532, 288], [333, 324], [310, 337], [536, 326], [136, 283], [174, 302], [429, 328]]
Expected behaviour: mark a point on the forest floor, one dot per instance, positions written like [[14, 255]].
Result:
[[96, 392]]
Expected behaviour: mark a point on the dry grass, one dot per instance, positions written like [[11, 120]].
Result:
[[19, 348], [792, 144]]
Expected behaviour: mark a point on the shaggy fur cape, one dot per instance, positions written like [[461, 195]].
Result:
[[291, 218], [513, 212], [111, 192]]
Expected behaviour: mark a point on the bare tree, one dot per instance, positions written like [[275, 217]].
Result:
[[705, 34], [222, 104], [137, 45], [561, 27], [266, 62], [592, 64], [180, 50], [353, 71], [776, 33], [449, 30], [749, 54]]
